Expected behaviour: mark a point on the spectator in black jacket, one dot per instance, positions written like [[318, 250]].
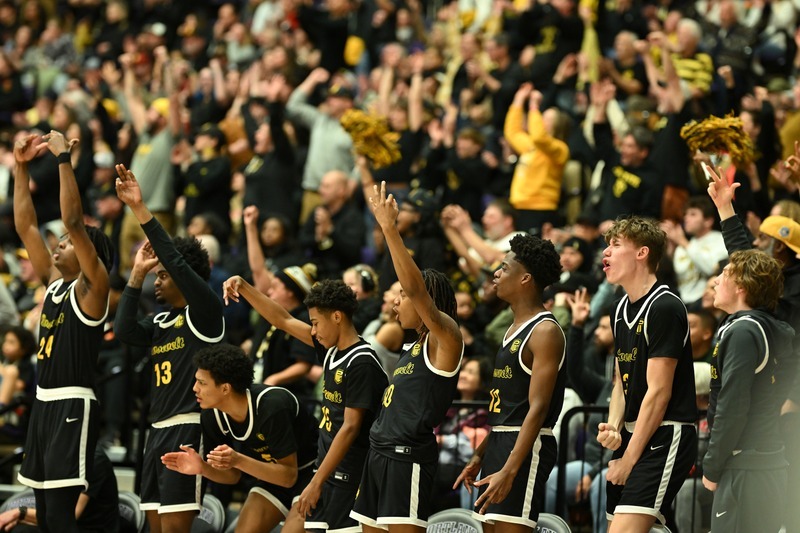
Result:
[[332, 237], [745, 465]]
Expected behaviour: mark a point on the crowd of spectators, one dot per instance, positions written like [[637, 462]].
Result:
[[546, 116]]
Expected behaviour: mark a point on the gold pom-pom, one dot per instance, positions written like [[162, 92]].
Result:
[[720, 135], [372, 137]]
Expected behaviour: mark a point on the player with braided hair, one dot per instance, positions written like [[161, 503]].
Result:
[[60, 445], [527, 393], [397, 484]]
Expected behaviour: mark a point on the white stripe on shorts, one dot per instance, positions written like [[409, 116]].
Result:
[[413, 506], [526, 508], [669, 466]]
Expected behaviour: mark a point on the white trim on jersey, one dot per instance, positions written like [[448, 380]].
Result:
[[433, 368], [204, 338], [82, 317], [765, 360], [350, 356], [250, 416], [647, 314], [644, 306], [160, 318]]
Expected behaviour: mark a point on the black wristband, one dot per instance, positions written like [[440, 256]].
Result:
[[23, 512], [64, 157]]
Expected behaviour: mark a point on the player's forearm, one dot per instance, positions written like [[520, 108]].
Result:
[[407, 271], [264, 306], [651, 414], [279, 474], [69, 196], [226, 477], [527, 436], [24, 213], [339, 447], [616, 407]]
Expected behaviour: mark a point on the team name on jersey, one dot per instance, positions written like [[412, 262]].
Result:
[[406, 370], [177, 344], [51, 323], [503, 373], [627, 357], [332, 396]]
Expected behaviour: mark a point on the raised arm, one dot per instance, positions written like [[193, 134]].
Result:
[[133, 100], [255, 255], [25, 219], [92, 288], [205, 307], [446, 344], [236, 287]]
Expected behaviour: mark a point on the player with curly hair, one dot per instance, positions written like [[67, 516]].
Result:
[[194, 321], [251, 429], [527, 392], [61, 439], [352, 384], [397, 483]]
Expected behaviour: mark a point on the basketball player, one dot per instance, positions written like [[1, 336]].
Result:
[[652, 411], [399, 473], [745, 465], [194, 320], [353, 382], [526, 396], [61, 439], [250, 428]]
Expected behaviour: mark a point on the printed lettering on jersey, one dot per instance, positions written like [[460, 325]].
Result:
[[338, 377], [260, 436], [627, 357], [639, 327], [716, 348], [714, 374], [416, 350], [406, 370], [51, 323], [503, 373], [179, 322], [178, 344], [515, 345], [335, 396]]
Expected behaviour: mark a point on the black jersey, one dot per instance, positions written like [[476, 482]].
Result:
[[656, 325], [415, 402], [69, 341], [352, 378], [175, 341], [173, 336], [275, 427], [511, 379]]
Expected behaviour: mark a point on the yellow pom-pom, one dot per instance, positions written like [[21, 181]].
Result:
[[720, 135], [372, 137]]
